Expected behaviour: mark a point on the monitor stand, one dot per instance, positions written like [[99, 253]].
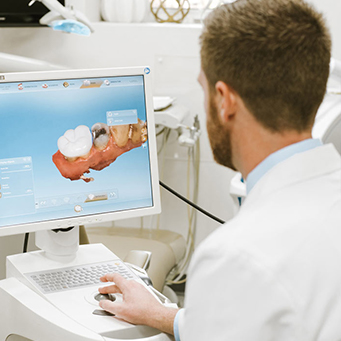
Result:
[[77, 305], [59, 244]]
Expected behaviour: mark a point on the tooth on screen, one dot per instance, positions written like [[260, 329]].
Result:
[[75, 143], [120, 134], [144, 134], [101, 135], [137, 132]]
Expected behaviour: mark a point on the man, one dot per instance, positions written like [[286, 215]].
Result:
[[272, 272]]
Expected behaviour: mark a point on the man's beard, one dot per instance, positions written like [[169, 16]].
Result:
[[220, 138]]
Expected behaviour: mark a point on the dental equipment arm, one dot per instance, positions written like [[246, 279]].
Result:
[[59, 14], [14, 63]]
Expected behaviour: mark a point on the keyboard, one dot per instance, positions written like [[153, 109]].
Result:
[[78, 276]]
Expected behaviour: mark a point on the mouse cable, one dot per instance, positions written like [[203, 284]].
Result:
[[27, 235], [191, 203]]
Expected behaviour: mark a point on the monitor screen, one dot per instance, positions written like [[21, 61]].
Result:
[[76, 147]]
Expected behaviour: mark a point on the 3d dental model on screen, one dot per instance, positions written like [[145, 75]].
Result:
[[81, 150]]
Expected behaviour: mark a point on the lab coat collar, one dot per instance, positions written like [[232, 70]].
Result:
[[297, 168], [277, 157]]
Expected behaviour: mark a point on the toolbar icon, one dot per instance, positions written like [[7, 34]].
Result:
[[78, 208]]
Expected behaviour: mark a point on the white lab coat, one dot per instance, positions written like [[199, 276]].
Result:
[[273, 273]]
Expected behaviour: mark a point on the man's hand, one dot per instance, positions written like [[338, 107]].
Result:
[[139, 306]]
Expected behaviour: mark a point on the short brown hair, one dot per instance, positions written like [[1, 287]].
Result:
[[274, 53]]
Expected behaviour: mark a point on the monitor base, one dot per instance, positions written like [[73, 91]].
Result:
[[59, 245]]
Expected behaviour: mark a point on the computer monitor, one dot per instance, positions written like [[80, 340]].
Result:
[[76, 147]]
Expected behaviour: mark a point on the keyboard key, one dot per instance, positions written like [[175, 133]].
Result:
[[76, 277]]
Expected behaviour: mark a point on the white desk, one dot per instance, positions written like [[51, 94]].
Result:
[[64, 315]]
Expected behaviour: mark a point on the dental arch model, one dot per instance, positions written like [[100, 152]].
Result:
[[80, 150]]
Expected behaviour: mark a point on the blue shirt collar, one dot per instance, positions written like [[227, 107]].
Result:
[[277, 157]]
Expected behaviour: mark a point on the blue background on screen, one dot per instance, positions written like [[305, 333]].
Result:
[[31, 123]]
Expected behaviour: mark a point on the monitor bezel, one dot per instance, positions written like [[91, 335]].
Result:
[[108, 216]]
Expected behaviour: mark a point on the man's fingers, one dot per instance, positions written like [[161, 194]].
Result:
[[106, 278], [120, 282], [112, 307], [110, 289]]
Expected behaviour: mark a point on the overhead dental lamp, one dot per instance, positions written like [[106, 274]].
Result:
[[65, 19]]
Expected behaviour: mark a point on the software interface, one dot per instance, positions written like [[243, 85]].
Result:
[[72, 148]]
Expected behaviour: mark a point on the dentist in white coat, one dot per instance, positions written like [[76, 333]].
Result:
[[274, 271]]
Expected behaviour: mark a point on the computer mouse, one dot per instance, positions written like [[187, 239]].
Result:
[[100, 297]]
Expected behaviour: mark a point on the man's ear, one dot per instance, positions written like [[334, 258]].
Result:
[[226, 102]]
